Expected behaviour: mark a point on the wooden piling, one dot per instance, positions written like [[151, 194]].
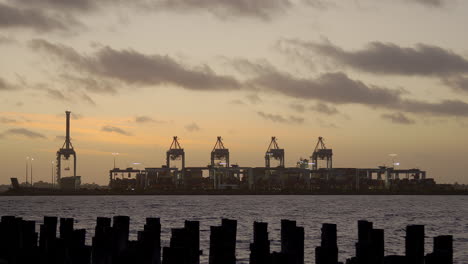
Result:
[[260, 248], [414, 244], [292, 241], [327, 252], [442, 251]]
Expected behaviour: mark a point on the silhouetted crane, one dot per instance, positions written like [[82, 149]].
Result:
[[275, 152]]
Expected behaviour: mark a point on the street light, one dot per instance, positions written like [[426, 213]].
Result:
[[312, 164], [53, 162], [32, 172], [393, 160], [138, 165], [114, 154], [27, 159]]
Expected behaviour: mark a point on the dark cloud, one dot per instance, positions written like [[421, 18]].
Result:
[[224, 9], [61, 5], [113, 129], [335, 88], [237, 102], [89, 84], [6, 86], [338, 88], [254, 98], [55, 94], [147, 119], [295, 120], [69, 95], [445, 107], [63, 52], [398, 118], [132, 67], [281, 119], [251, 68], [324, 109], [193, 127], [431, 3], [37, 19], [325, 124], [144, 119], [24, 132], [388, 58], [6, 40], [86, 98], [6, 120], [458, 83], [320, 4], [319, 107], [263, 9], [297, 107]]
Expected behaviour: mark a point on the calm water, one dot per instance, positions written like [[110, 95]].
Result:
[[442, 215]]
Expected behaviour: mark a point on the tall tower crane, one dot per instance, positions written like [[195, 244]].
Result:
[[66, 151], [274, 152]]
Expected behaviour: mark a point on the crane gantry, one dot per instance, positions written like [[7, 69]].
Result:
[[274, 152], [66, 151], [321, 152]]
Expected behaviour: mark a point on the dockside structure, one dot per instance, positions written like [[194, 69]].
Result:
[[221, 175]]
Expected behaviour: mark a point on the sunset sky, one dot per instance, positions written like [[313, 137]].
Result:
[[372, 77]]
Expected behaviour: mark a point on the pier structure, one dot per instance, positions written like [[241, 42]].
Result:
[[305, 176], [20, 243]]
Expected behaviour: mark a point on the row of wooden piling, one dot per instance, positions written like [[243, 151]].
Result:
[[111, 244]]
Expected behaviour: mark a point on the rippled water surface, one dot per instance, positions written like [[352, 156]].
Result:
[[442, 215]]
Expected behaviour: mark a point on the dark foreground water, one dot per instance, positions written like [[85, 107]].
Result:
[[442, 215]]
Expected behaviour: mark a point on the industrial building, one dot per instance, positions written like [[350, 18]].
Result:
[[318, 174]]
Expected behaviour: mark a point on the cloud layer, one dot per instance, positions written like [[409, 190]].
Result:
[[23, 132], [134, 68], [389, 58], [224, 9], [431, 3], [398, 118], [147, 119], [114, 129], [37, 19], [6, 40], [338, 88], [6, 86], [280, 118], [193, 127], [263, 9]]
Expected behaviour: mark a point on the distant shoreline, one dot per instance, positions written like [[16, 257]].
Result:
[[46, 192]]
